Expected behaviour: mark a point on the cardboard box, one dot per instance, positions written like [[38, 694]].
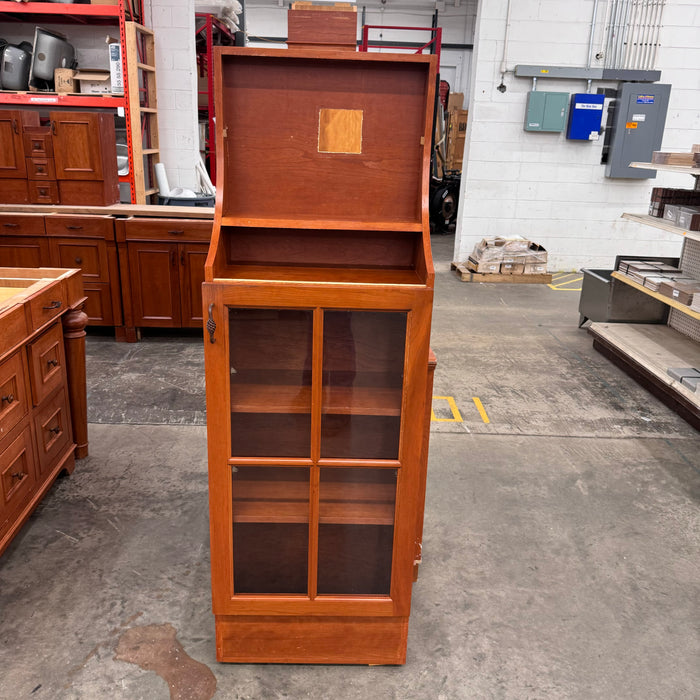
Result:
[[484, 267], [64, 80], [116, 73], [512, 268], [671, 212], [104, 2], [535, 268], [93, 81], [455, 101], [689, 218]]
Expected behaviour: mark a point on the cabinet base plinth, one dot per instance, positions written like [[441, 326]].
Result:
[[311, 640]]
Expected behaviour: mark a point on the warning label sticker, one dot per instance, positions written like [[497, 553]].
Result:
[[631, 125], [645, 99]]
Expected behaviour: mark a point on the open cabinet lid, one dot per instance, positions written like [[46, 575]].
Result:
[[333, 136]]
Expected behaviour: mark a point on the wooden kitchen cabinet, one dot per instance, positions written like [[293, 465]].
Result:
[[85, 157], [12, 153], [43, 411], [162, 269], [317, 301]]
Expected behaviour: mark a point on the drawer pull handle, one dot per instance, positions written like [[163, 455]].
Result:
[[74, 228], [78, 261], [55, 430], [40, 168], [53, 305], [211, 324], [11, 225], [9, 398], [177, 232], [14, 126], [52, 362], [18, 475]]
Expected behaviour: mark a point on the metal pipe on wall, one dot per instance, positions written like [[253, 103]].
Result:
[[635, 33], [662, 4], [611, 34], [590, 41]]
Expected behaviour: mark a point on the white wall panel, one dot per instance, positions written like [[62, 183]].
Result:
[[564, 201]]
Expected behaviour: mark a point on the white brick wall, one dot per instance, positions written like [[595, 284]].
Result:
[[541, 185], [173, 24]]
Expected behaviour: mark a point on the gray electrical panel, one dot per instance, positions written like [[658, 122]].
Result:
[[546, 111], [636, 128]]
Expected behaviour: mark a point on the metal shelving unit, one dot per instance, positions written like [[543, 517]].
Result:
[[647, 351], [90, 15]]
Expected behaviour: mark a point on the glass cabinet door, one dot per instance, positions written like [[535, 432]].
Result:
[[363, 358], [270, 365]]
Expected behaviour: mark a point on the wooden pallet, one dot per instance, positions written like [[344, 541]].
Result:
[[467, 275]]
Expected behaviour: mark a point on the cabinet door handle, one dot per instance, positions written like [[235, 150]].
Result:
[[53, 127], [211, 324], [18, 475], [74, 228], [52, 306], [55, 430], [9, 398], [11, 225], [14, 126], [52, 362], [182, 257], [172, 258], [177, 232]]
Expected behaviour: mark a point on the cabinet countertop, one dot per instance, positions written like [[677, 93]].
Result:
[[156, 210]]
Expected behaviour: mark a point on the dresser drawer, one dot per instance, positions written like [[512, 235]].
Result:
[[195, 230], [21, 224], [43, 192], [47, 363], [52, 429], [46, 305], [89, 256], [13, 394], [17, 477], [38, 142], [41, 169], [80, 226]]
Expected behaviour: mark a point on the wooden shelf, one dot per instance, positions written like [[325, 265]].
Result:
[[270, 398], [311, 223], [275, 398], [683, 308], [649, 350], [288, 502], [656, 222], [671, 168], [328, 275]]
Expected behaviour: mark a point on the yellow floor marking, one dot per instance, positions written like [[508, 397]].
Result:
[[480, 408], [456, 415], [562, 286]]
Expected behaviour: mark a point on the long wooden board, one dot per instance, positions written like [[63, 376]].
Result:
[[156, 210], [467, 275]]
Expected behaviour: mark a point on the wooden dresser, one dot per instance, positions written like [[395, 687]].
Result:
[[43, 412], [317, 302]]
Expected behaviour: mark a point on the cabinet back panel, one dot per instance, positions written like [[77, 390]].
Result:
[[366, 249], [272, 109]]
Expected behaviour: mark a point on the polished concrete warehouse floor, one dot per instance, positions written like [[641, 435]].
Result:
[[561, 537]]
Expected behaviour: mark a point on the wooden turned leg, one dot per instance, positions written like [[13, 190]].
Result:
[[74, 323]]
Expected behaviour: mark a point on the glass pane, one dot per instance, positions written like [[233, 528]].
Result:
[[270, 529], [270, 359], [356, 530], [363, 357]]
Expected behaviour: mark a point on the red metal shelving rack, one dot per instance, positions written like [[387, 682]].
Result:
[[210, 31], [90, 15]]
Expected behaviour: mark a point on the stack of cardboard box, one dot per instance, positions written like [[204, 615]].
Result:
[[456, 131], [508, 256]]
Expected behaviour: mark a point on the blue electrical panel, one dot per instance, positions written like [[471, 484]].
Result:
[[585, 117]]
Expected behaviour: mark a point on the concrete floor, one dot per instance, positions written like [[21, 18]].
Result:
[[561, 538]]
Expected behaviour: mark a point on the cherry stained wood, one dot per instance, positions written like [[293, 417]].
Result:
[[324, 232], [39, 362], [25, 251], [311, 639], [192, 257], [12, 153], [84, 147]]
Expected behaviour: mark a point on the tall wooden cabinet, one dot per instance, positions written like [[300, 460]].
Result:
[[317, 303]]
